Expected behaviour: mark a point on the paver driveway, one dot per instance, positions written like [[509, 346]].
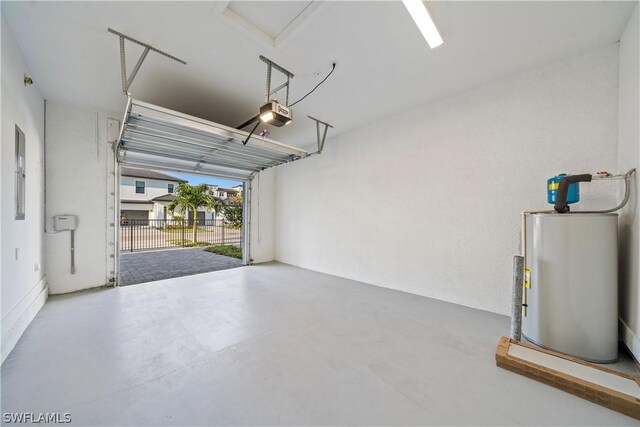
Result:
[[140, 267]]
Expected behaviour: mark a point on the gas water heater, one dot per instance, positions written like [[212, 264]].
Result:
[[570, 283]]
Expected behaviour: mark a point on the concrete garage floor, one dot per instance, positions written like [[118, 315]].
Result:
[[141, 267], [274, 344]]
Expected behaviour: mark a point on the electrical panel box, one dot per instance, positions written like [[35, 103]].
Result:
[[64, 222]]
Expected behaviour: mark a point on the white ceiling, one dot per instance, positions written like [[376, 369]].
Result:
[[272, 18], [384, 65]]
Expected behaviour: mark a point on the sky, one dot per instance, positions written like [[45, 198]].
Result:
[[199, 179]]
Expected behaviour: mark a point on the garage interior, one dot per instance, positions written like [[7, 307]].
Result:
[[405, 208]]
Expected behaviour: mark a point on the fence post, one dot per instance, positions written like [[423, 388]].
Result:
[[131, 234], [182, 231], [223, 232]]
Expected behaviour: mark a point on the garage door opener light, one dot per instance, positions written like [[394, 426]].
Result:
[[275, 114]]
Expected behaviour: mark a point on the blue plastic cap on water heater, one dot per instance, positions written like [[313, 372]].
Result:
[[573, 194]]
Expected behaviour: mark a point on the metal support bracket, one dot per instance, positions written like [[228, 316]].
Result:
[[287, 73], [126, 81], [324, 133]]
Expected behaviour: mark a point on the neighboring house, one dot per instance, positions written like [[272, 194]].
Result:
[[146, 195], [225, 193]]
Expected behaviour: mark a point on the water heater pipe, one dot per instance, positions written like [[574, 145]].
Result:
[[73, 252], [516, 297], [561, 205], [627, 190]]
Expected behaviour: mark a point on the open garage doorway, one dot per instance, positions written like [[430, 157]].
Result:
[[156, 140], [174, 224]]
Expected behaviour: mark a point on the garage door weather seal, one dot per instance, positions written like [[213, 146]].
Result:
[[158, 138]]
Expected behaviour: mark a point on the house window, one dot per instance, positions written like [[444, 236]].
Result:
[[139, 187], [20, 173], [170, 188]]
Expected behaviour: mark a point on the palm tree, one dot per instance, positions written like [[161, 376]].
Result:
[[191, 197]]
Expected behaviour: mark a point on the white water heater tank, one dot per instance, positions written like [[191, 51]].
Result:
[[571, 284]]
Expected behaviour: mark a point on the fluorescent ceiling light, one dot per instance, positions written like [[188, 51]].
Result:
[[420, 15]]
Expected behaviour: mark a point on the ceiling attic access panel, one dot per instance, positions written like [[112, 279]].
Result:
[[158, 138]]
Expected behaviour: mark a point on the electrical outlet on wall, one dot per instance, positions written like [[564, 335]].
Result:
[[36, 267]]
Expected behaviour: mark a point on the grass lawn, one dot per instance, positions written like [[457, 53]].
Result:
[[187, 243], [226, 250]]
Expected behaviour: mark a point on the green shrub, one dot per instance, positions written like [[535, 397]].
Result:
[[226, 250]]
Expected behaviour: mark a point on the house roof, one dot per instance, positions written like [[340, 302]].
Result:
[[135, 201], [149, 174], [228, 190], [164, 198]]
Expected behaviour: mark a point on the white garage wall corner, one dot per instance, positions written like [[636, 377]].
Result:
[[262, 228], [80, 181], [23, 284], [429, 201], [629, 157]]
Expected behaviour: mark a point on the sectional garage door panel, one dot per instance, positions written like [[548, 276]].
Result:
[[155, 137]]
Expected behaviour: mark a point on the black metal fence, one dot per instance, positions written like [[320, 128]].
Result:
[[143, 234]]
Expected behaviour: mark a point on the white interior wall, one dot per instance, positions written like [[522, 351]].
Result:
[[80, 182], [629, 157], [23, 287], [429, 201], [262, 228]]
